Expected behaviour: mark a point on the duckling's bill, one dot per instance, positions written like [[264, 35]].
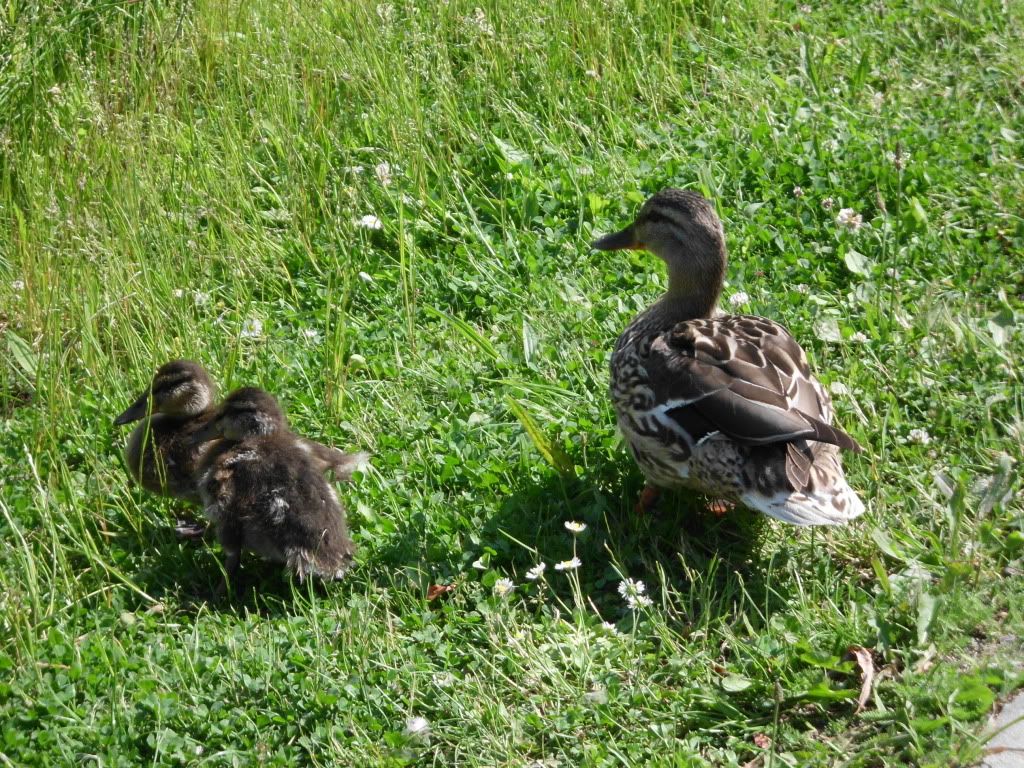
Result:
[[624, 239], [136, 410]]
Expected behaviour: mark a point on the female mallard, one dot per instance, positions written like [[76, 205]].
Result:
[[165, 450], [722, 404], [264, 492]]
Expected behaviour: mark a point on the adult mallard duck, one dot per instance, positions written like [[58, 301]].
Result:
[[722, 404], [264, 492]]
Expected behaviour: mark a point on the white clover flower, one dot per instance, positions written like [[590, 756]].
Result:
[[178, 293], [369, 221], [610, 628], [828, 203], [536, 572], [311, 333], [805, 8], [479, 20], [860, 337], [510, 176], [849, 219], [504, 587], [417, 728], [798, 191], [919, 436], [802, 288], [383, 173], [569, 565], [18, 285], [54, 91], [739, 298], [831, 145], [200, 298], [574, 527], [877, 100], [252, 328]]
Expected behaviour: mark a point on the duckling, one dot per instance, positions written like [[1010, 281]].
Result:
[[180, 403], [164, 451], [265, 492], [722, 404]]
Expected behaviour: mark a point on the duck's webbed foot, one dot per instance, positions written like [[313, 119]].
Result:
[[721, 507], [191, 530], [648, 499]]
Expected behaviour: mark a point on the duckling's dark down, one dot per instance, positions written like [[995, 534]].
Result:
[[265, 492], [165, 450]]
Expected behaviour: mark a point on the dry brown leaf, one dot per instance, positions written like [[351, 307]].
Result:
[[867, 673], [435, 591]]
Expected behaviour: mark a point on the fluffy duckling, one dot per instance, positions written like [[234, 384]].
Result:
[[164, 451], [265, 492], [722, 404]]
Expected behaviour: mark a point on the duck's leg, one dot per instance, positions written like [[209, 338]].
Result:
[[648, 499], [230, 535]]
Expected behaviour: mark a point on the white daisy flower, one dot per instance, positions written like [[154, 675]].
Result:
[[369, 221], [536, 572], [178, 293], [849, 219], [504, 587], [252, 328], [574, 527], [633, 593], [569, 565], [739, 299]]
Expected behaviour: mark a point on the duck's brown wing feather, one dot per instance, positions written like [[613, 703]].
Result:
[[743, 376]]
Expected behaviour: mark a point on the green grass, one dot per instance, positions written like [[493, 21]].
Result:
[[150, 151]]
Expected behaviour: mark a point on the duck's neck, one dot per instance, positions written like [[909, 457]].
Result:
[[688, 298]]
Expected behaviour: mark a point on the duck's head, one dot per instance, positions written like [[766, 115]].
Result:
[[681, 227], [180, 388], [246, 413]]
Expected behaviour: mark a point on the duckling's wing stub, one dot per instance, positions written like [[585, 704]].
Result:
[[744, 377]]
